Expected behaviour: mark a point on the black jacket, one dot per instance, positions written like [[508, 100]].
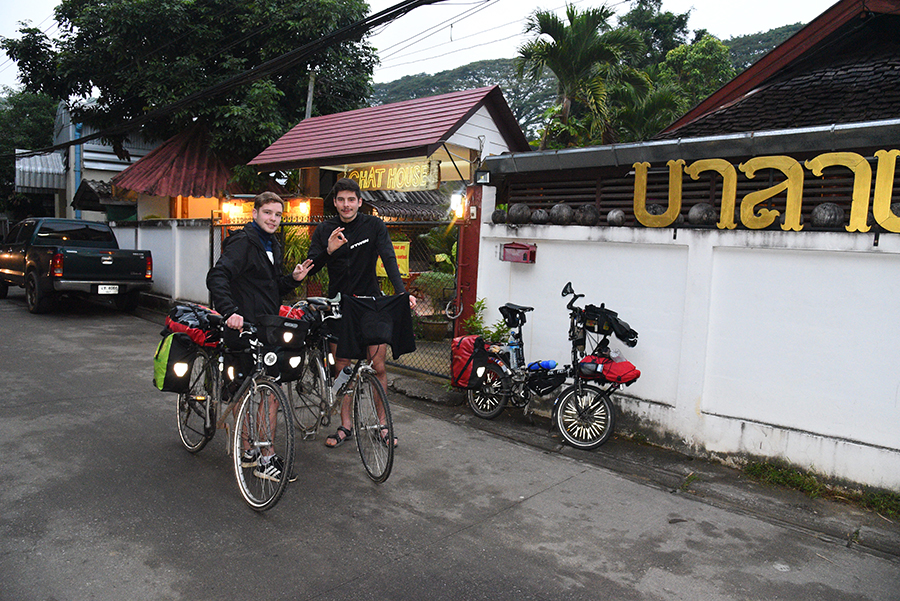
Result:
[[351, 269], [244, 281]]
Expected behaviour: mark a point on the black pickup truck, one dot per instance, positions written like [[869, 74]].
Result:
[[54, 257]]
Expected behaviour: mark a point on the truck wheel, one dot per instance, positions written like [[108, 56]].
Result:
[[128, 301], [38, 301], [4, 289]]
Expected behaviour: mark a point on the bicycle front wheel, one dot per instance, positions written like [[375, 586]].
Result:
[[374, 427], [309, 397], [192, 406], [585, 417], [263, 444]]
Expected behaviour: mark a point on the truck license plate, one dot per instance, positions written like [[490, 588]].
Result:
[[107, 289]]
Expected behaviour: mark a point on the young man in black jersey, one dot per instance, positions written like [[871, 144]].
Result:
[[349, 245]]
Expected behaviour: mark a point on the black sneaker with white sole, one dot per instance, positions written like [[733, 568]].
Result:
[[250, 458], [272, 470]]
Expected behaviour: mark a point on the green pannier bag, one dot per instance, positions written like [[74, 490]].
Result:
[[173, 361]]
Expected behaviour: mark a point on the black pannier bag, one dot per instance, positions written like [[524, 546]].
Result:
[[173, 361], [601, 320]]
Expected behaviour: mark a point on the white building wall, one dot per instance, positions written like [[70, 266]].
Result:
[[752, 343], [180, 249], [480, 132]]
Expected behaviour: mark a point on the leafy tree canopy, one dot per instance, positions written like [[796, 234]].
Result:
[[700, 68], [26, 120], [528, 99], [661, 31], [747, 49], [589, 58], [135, 56]]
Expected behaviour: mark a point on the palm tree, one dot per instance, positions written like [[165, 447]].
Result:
[[640, 115], [588, 57]]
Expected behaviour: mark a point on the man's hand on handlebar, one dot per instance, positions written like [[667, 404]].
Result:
[[235, 321]]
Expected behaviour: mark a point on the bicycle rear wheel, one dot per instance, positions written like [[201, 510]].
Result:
[[373, 427], [585, 417], [309, 394], [193, 405], [264, 426]]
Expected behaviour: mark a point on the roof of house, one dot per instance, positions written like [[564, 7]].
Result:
[[425, 205], [183, 165], [843, 67], [40, 172], [413, 128]]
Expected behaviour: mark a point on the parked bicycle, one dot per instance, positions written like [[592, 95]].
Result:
[[263, 419], [583, 411], [315, 397]]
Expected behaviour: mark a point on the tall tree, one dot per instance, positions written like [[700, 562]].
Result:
[[588, 57], [661, 31], [528, 99], [139, 55], [26, 121], [747, 49], [640, 115], [700, 68]]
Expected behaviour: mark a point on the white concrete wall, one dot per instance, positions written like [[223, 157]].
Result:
[[180, 250], [752, 343]]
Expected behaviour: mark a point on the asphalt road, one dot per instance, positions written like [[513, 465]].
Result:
[[100, 501]]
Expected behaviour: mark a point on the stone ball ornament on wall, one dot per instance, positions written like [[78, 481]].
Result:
[[498, 216], [827, 215], [703, 214], [540, 217], [616, 218], [562, 214], [518, 214], [587, 215]]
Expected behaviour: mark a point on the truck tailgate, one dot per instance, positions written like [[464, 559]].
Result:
[[103, 264]]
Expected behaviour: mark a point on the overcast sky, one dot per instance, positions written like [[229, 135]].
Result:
[[457, 32]]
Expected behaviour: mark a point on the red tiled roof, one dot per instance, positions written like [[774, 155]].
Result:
[[182, 165], [388, 132]]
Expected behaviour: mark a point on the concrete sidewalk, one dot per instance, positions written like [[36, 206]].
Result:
[[713, 483]]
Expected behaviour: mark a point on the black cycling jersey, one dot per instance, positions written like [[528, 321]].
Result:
[[351, 269]]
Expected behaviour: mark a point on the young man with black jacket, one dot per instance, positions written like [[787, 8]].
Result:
[[349, 245], [246, 283]]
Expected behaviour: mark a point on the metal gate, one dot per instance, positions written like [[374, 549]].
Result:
[[429, 270]]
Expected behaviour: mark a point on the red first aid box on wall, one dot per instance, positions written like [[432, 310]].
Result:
[[517, 252]]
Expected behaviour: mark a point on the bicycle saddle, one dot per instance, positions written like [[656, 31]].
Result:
[[514, 315]]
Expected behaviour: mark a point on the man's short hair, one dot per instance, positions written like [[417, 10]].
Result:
[[346, 185], [266, 198]]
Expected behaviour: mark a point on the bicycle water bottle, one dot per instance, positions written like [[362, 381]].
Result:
[[342, 379], [545, 364], [515, 353]]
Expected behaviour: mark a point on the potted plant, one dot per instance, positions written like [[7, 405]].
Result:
[[437, 289]]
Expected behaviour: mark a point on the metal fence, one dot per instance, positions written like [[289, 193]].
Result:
[[426, 252]]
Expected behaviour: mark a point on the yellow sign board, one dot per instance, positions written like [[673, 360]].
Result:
[[401, 250], [404, 177]]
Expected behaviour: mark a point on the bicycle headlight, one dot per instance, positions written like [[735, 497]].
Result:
[[270, 359], [180, 369]]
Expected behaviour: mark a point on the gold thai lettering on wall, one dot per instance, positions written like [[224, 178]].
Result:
[[752, 216], [406, 177]]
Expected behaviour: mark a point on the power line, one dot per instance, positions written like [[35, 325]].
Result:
[[271, 67]]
